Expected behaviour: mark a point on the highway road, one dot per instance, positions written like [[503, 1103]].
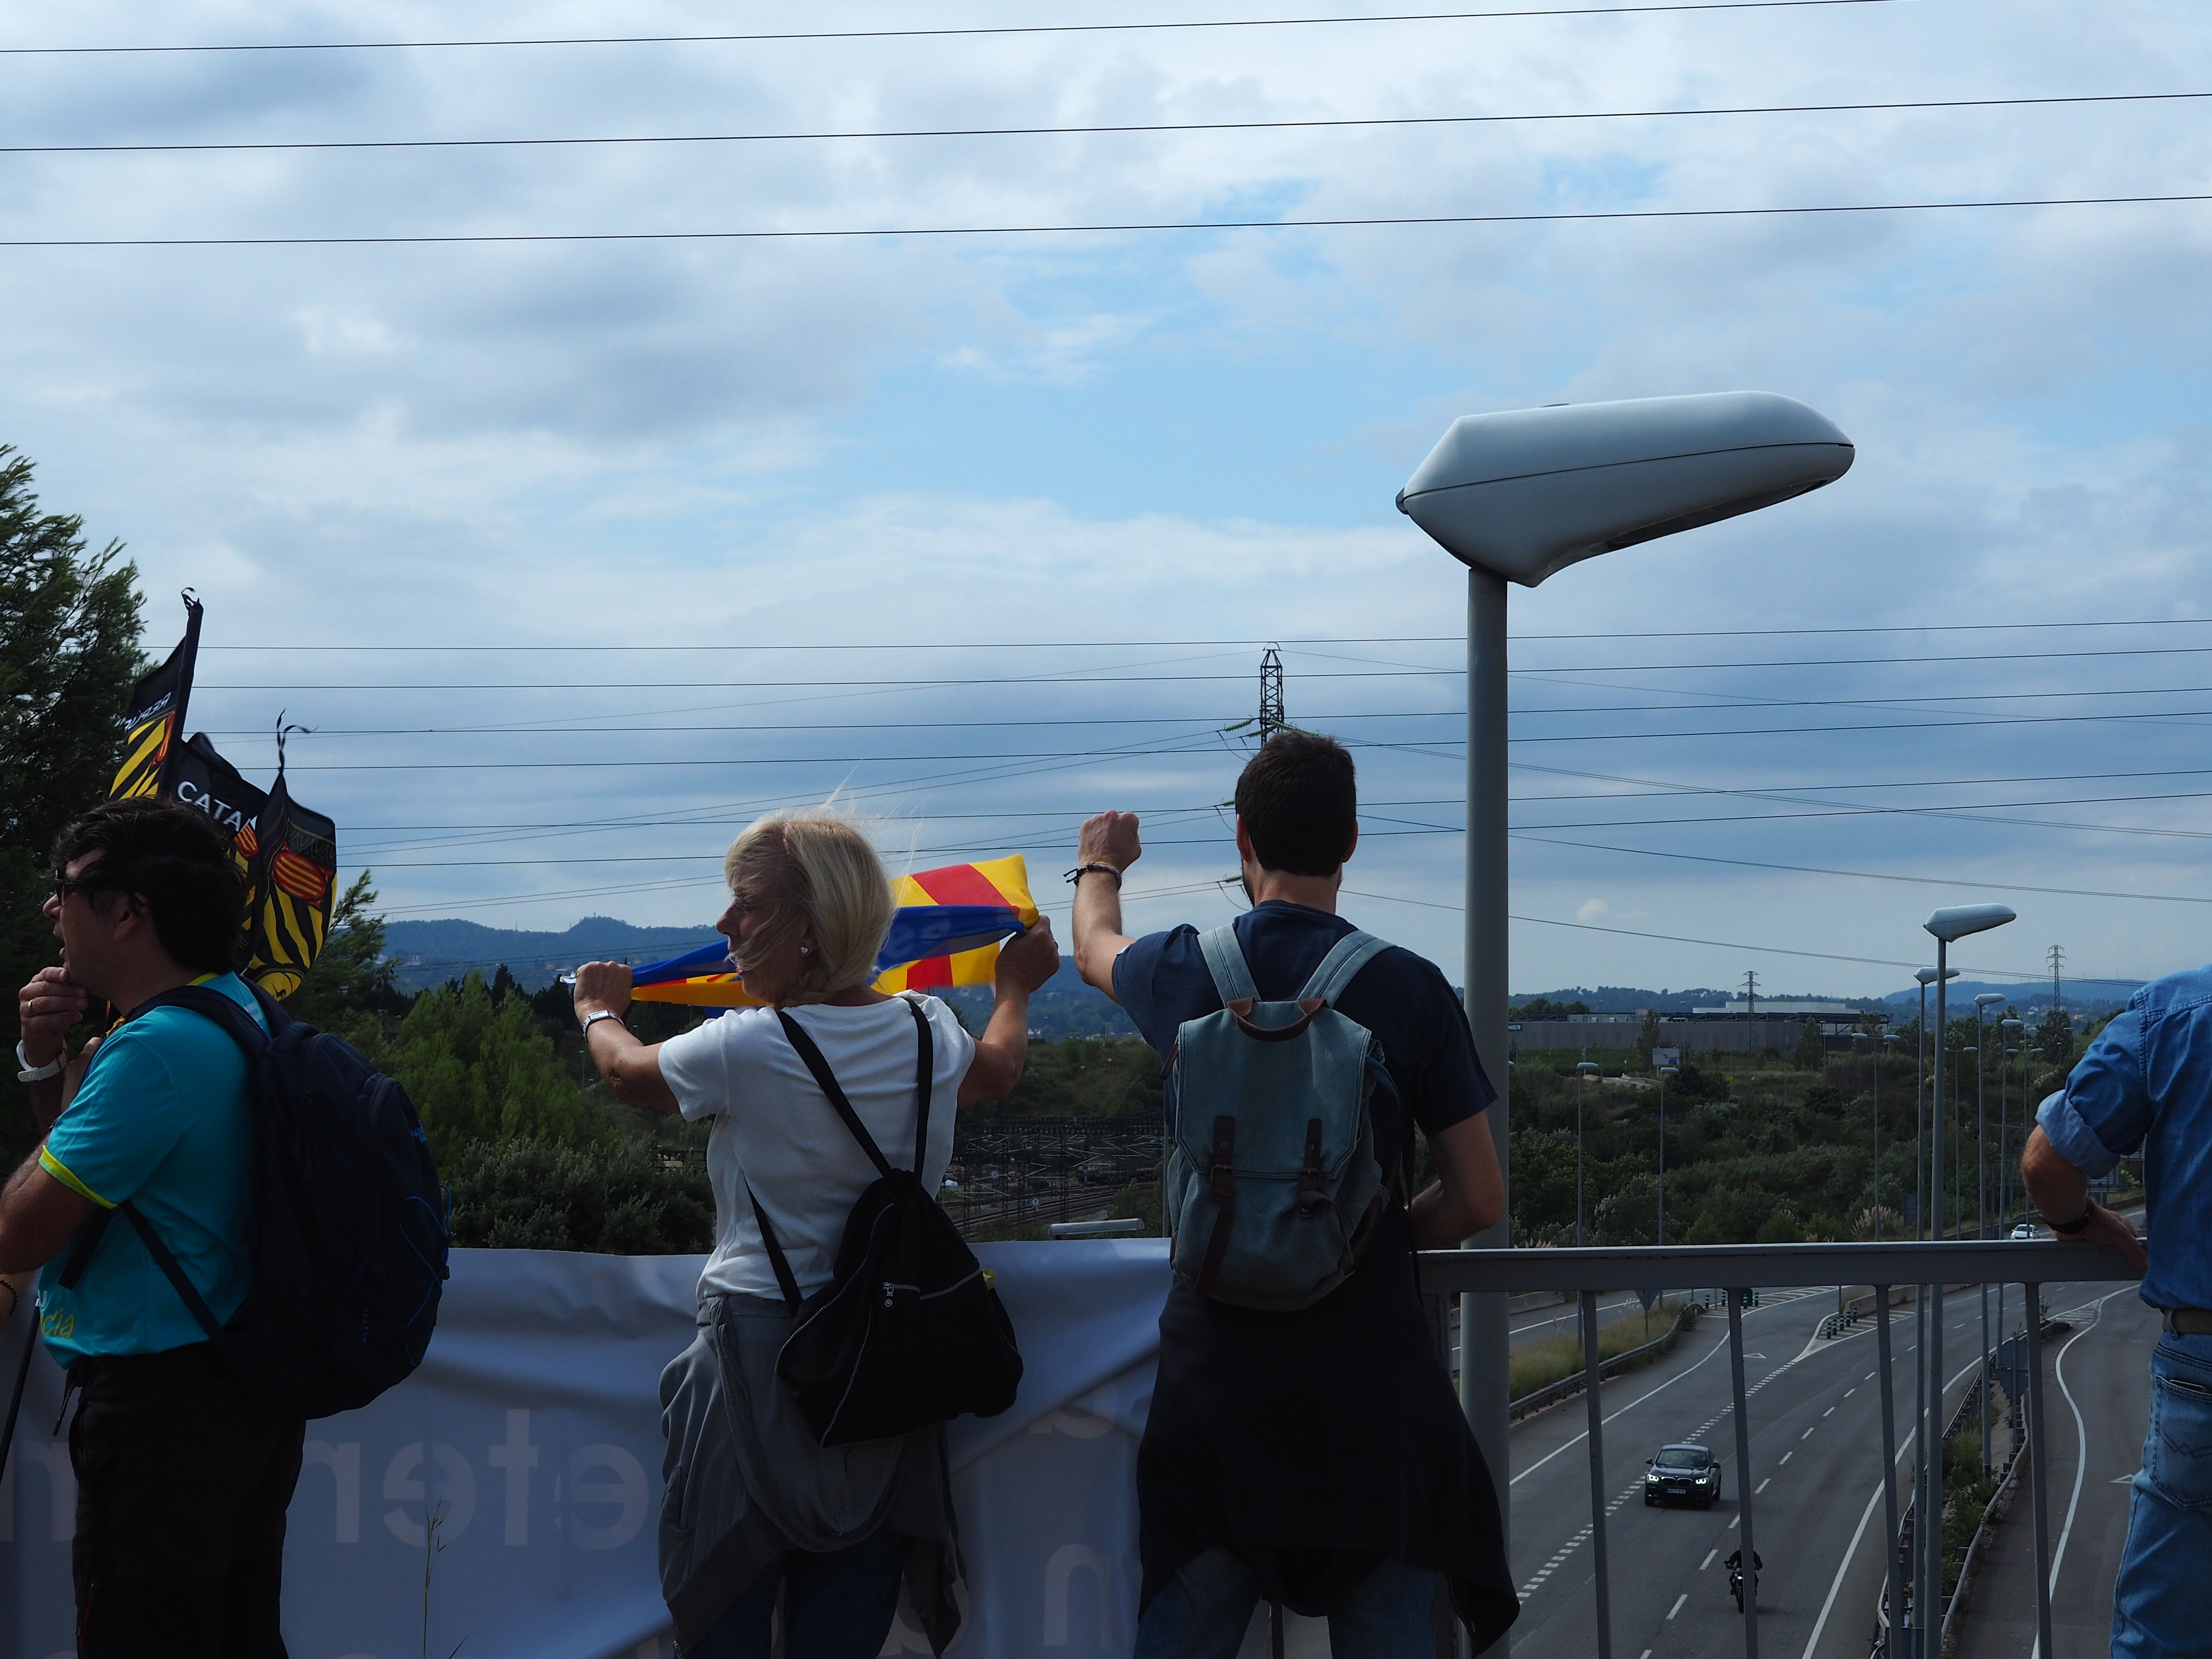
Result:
[[1563, 1318], [2096, 1380], [1816, 1475]]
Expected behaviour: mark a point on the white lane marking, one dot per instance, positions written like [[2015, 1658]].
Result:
[[1717, 1348], [1868, 1377], [2081, 1451], [1646, 1654], [1849, 1392], [2125, 1480], [1763, 1486], [1784, 1458], [1830, 1412], [1680, 1602], [1733, 1520], [1708, 1561], [1865, 1515], [1808, 1435]]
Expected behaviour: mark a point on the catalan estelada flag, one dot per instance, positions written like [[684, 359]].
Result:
[[294, 854], [156, 717], [946, 931]]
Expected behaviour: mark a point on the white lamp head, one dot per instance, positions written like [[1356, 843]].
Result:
[[1928, 976], [1955, 921], [1527, 492]]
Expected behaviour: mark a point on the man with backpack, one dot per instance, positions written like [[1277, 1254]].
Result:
[[182, 1482], [1304, 1444]]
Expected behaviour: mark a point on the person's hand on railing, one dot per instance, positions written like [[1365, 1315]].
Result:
[[2115, 1232]]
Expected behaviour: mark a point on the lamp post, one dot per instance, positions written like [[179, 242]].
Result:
[[1948, 925], [1983, 1002], [1517, 497], [2011, 1028], [1665, 1071], [1586, 1069]]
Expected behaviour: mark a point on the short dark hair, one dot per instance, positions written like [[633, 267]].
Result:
[[177, 863], [1299, 799]]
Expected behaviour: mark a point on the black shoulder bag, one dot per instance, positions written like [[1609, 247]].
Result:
[[909, 1332]]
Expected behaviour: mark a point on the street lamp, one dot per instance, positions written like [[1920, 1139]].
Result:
[[1665, 1071], [1948, 925], [1518, 496], [1983, 1002], [1588, 1068], [2013, 1027]]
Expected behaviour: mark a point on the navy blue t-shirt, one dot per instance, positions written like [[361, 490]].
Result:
[[1161, 981]]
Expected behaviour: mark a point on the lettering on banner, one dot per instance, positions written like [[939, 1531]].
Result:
[[343, 1461], [455, 1497], [52, 1456], [1058, 1573], [515, 1459], [628, 1489]]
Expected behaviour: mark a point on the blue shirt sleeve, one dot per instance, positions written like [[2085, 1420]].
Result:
[[126, 1118], [1136, 974], [2104, 1112]]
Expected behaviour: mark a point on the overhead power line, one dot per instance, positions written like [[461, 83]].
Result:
[[1866, 875], [764, 37], [1255, 643], [1718, 944], [1089, 130], [857, 232]]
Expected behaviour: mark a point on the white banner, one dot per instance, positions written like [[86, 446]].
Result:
[[504, 1500]]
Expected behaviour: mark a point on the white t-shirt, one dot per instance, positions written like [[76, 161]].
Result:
[[776, 1131]]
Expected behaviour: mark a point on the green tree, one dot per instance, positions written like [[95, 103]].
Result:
[[620, 1197], [351, 978], [68, 651], [481, 1070], [1812, 1052], [1647, 1036], [2054, 1037]]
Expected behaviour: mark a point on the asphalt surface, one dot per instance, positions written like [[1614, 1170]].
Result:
[[1815, 1473], [1563, 1319], [2096, 1381]]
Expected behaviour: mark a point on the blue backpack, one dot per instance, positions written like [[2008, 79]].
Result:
[[1272, 1177], [350, 1242]]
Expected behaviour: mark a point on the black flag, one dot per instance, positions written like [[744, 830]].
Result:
[[157, 715], [294, 877]]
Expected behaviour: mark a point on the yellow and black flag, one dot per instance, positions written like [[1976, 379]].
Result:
[[157, 715], [295, 854]]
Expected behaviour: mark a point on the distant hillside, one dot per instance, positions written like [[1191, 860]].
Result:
[[2085, 996], [1629, 999], [432, 952]]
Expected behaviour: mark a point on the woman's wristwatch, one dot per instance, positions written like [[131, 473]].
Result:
[[595, 1017], [26, 1073]]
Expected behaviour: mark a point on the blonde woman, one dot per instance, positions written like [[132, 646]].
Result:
[[756, 1509]]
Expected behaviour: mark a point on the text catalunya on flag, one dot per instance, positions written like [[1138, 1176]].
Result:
[[287, 853]]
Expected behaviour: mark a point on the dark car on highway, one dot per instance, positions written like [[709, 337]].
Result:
[[1683, 1475]]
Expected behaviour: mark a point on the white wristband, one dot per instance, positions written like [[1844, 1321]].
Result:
[[30, 1074]]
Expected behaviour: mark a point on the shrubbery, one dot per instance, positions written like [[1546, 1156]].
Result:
[[622, 1197]]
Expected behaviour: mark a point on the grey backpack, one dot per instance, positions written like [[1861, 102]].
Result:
[[1272, 1172]]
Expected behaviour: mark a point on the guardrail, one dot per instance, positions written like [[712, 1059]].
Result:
[[1742, 1268], [1567, 1387]]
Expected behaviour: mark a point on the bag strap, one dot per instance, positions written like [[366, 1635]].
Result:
[[1224, 960], [214, 1006], [826, 1080], [776, 1259], [925, 1069], [1342, 964]]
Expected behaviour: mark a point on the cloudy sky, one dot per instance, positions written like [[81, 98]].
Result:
[[600, 546]]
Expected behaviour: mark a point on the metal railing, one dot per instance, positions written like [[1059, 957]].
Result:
[[1740, 1268]]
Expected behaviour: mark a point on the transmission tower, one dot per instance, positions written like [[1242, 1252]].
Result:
[[2056, 958], [1750, 996], [1272, 718]]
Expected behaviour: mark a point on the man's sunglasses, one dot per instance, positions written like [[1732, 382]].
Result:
[[85, 885]]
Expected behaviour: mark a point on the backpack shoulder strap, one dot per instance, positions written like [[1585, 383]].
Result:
[[827, 1080], [776, 1259], [212, 1005], [1224, 960], [924, 1070], [1342, 964]]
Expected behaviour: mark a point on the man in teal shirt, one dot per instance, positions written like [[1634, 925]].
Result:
[[180, 1521]]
